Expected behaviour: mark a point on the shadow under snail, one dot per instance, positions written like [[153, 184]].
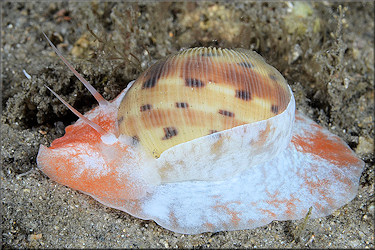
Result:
[[205, 140]]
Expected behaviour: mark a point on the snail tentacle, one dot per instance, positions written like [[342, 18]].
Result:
[[98, 97], [107, 137]]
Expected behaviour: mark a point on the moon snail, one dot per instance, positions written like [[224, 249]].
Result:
[[205, 140]]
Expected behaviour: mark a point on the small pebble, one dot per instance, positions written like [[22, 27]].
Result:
[[35, 236], [365, 145]]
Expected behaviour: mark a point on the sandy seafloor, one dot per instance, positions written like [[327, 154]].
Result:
[[326, 57]]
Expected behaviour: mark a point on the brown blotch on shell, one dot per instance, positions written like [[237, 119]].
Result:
[[169, 132], [212, 131], [152, 75], [243, 94], [246, 65], [150, 83], [194, 83], [226, 113], [182, 105], [275, 109], [145, 107]]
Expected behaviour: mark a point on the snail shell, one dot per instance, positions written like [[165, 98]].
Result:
[[205, 140], [198, 92], [202, 91]]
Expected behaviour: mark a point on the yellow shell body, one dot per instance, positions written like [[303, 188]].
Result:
[[198, 92]]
